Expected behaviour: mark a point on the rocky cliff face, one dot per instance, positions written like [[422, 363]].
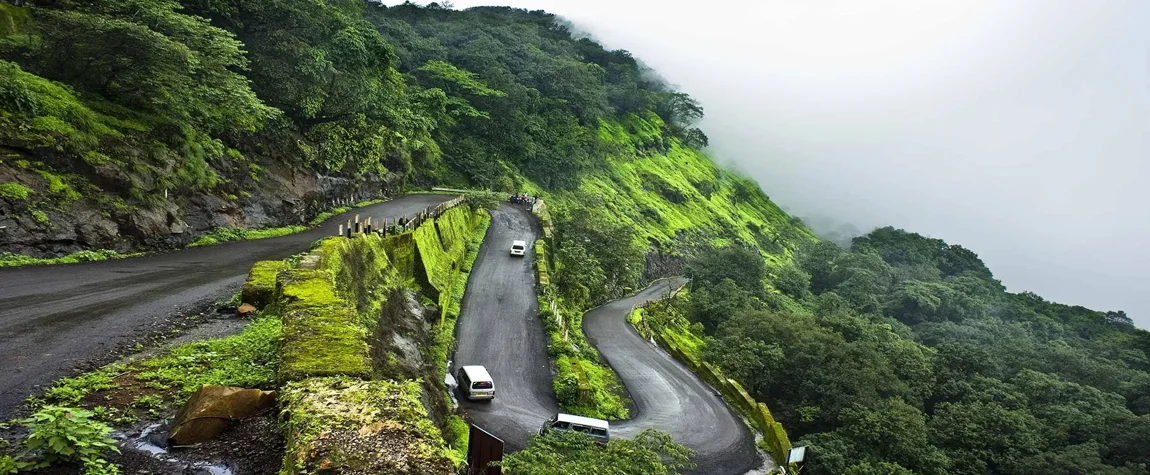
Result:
[[49, 208]]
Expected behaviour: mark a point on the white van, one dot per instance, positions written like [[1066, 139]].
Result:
[[597, 428], [475, 383], [518, 248]]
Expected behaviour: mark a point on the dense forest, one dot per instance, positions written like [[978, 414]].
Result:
[[142, 123], [903, 354]]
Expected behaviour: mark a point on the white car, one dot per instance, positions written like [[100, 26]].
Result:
[[518, 248]]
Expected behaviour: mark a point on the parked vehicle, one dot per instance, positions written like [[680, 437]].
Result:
[[475, 383], [518, 248], [597, 428]]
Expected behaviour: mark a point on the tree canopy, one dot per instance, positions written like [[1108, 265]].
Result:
[[904, 355]]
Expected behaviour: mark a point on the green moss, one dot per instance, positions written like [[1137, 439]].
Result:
[[323, 335], [401, 250], [340, 425], [542, 270], [260, 287], [323, 341], [39, 217], [362, 271], [59, 188], [776, 441], [445, 330], [300, 288], [14, 191]]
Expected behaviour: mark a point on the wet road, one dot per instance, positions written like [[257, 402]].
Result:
[[666, 394]]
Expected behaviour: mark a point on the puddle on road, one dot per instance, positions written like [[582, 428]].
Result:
[[152, 442], [449, 380]]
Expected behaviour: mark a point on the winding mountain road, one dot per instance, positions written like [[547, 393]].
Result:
[[499, 328], [53, 318]]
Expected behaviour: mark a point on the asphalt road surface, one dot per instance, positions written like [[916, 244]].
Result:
[[53, 318], [499, 328]]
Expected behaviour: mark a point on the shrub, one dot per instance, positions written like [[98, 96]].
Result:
[[483, 200], [14, 191], [63, 434]]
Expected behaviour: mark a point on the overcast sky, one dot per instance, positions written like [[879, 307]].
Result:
[[1019, 129]]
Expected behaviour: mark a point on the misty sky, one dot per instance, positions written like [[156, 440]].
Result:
[[1019, 129]]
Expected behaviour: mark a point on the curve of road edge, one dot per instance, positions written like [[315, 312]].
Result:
[[53, 318], [499, 327]]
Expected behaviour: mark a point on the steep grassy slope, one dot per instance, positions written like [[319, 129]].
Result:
[[664, 194]]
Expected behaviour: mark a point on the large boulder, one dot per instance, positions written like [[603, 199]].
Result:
[[213, 408]]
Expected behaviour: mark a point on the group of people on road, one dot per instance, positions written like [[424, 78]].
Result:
[[523, 199]]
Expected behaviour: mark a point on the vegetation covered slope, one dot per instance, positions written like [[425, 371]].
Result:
[[903, 354], [146, 123]]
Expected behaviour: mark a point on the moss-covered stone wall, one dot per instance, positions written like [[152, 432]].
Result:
[[340, 415]]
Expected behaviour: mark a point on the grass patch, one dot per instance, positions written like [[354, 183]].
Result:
[[8, 259], [120, 393], [324, 216], [226, 234], [458, 431], [246, 360], [69, 392]]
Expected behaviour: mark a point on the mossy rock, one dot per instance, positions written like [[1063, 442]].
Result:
[[361, 269], [441, 245], [340, 425], [260, 288], [711, 375], [541, 263], [747, 403]]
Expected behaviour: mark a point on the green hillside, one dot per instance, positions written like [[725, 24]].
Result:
[[135, 125], [191, 117]]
